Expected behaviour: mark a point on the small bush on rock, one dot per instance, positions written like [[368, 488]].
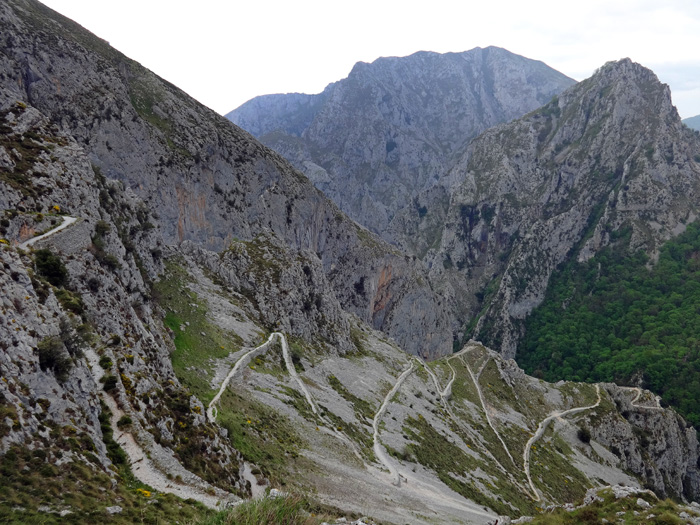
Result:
[[584, 435], [52, 356], [50, 267]]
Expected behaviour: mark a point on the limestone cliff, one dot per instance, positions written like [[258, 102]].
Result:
[[168, 346], [81, 339], [392, 128], [608, 155], [208, 181]]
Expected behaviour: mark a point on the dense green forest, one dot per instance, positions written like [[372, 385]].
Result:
[[613, 318]]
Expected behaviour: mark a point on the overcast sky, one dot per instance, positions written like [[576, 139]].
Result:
[[224, 52]]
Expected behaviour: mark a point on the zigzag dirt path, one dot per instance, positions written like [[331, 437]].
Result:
[[379, 451], [475, 379], [67, 221], [446, 393], [540, 430], [328, 428], [418, 484], [657, 399], [212, 411]]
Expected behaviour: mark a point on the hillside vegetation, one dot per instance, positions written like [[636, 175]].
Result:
[[613, 318]]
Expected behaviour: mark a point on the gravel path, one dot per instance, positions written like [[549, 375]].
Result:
[[145, 470], [418, 484], [293, 372], [485, 408], [379, 451], [657, 399], [211, 410], [67, 221], [245, 359], [327, 429], [540, 430]]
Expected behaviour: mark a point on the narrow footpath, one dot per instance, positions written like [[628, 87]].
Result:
[[67, 221], [327, 427], [212, 411], [639, 391], [144, 469], [540, 431], [475, 380], [379, 451], [418, 484]]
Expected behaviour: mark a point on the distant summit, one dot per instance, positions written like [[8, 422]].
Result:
[[693, 122], [392, 128]]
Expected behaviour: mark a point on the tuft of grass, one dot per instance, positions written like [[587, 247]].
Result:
[[196, 343], [612, 510], [262, 435], [288, 509]]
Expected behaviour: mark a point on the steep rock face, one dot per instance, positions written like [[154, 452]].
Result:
[[374, 140], [655, 444], [280, 282], [608, 155], [208, 181], [291, 113], [88, 301]]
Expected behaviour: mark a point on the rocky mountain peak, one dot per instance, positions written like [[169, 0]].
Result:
[[606, 155], [393, 127], [624, 92]]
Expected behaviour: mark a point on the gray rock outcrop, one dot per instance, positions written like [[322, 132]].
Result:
[[608, 155], [94, 296]]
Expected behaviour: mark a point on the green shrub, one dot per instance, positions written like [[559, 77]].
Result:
[[101, 228], [110, 383], [287, 510], [110, 261], [52, 356], [50, 267], [70, 301], [124, 421], [105, 362]]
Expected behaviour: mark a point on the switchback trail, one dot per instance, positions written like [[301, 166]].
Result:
[[145, 469], [67, 221], [540, 430], [418, 484], [657, 399], [211, 409], [475, 380], [377, 447], [328, 428], [447, 392]]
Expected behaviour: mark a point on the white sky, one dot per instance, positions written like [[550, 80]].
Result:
[[225, 52]]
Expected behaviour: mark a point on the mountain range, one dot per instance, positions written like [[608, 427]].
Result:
[[392, 128], [188, 322], [692, 122]]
